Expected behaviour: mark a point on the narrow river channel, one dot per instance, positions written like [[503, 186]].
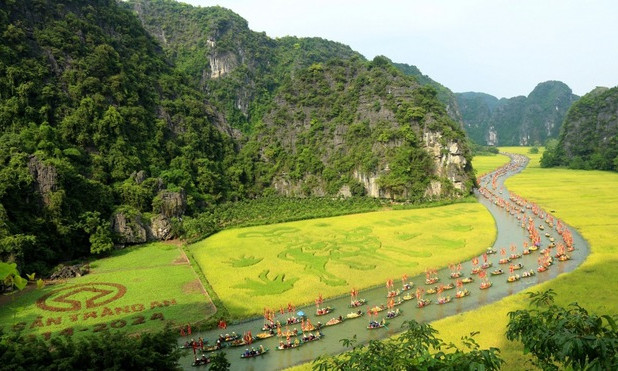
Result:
[[509, 229]]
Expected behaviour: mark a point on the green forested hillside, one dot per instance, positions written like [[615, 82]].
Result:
[[519, 120], [87, 100], [589, 136], [121, 120]]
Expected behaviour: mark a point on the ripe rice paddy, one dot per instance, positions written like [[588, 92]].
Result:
[[135, 290], [270, 266], [587, 201]]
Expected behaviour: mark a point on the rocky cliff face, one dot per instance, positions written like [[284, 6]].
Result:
[[45, 178], [393, 142], [520, 120]]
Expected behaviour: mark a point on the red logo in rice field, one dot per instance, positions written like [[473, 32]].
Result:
[[87, 295]]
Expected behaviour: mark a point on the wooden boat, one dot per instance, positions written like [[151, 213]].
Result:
[[533, 248], [264, 335], [421, 303], [526, 252], [212, 348], [323, 311], [490, 251], [515, 256], [542, 268], [551, 239], [513, 278], [432, 290], [353, 315], [443, 300], [373, 325], [462, 293], [407, 286], [476, 270], [357, 303], [378, 308], [517, 266], [449, 286], [455, 274], [201, 361], [309, 338], [431, 280], [564, 257], [334, 321], [504, 261], [393, 313], [293, 320], [487, 265], [547, 234], [228, 337], [408, 296], [392, 294], [467, 280], [485, 285], [268, 326], [529, 273], [242, 342], [284, 346], [398, 302], [497, 272], [257, 353], [288, 333]]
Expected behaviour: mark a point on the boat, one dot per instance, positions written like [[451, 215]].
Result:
[[311, 337], [289, 345], [504, 261], [228, 337], [334, 321], [515, 256], [533, 248], [242, 342], [526, 252], [378, 309], [485, 285], [408, 296], [529, 273], [551, 239], [323, 311], [288, 333], [264, 335], [462, 293], [564, 257], [392, 294], [357, 303], [455, 274], [269, 326], [293, 320], [423, 303], [374, 325], [542, 268], [476, 270], [497, 272], [393, 313], [398, 302], [353, 315], [486, 265], [443, 300], [490, 251], [517, 266], [432, 280], [201, 361], [407, 286], [432, 290], [449, 286], [513, 278], [254, 353], [541, 227], [212, 348], [547, 234], [467, 280]]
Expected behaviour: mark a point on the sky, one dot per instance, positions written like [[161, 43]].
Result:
[[499, 47]]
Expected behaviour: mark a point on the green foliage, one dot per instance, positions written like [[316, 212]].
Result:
[[417, 348], [219, 362], [560, 337], [589, 136], [157, 351]]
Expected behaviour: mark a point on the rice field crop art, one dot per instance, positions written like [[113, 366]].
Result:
[[270, 266]]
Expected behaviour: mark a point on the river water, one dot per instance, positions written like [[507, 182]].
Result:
[[509, 231]]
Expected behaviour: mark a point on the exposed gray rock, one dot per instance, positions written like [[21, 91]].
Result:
[[129, 228], [172, 203], [161, 228], [45, 178]]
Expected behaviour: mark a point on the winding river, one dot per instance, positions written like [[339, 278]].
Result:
[[495, 197]]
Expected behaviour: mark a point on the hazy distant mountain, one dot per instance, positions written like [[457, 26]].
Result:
[[519, 120]]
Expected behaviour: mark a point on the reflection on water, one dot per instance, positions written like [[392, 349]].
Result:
[[509, 231]]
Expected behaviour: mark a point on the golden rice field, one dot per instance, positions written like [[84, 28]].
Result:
[[269, 266], [586, 200]]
